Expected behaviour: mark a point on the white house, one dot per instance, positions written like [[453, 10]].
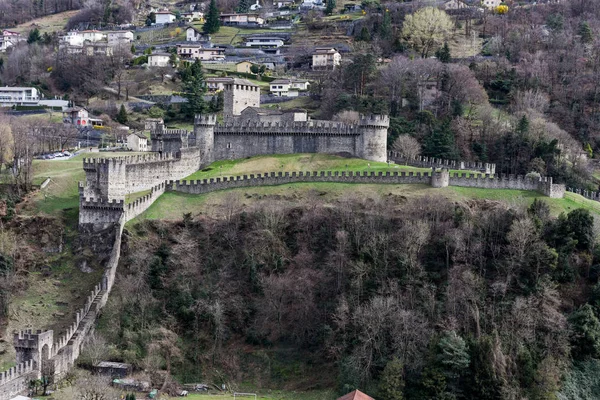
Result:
[[18, 96], [164, 17], [491, 3], [192, 16], [78, 38], [79, 116], [256, 6], [326, 58], [159, 59], [288, 87], [117, 38], [283, 3], [137, 142], [197, 51], [241, 19], [9, 39], [264, 41], [195, 35]]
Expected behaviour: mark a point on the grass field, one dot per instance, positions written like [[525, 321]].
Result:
[[49, 23], [234, 35]]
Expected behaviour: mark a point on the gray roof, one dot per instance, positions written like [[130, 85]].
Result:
[[239, 81]]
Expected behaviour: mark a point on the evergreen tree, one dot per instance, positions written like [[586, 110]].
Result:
[[34, 36], [391, 384], [585, 336], [132, 49], [243, 6], [213, 23], [523, 125], [385, 30], [122, 115], [364, 35], [194, 88], [440, 143], [443, 53], [330, 8], [585, 32]]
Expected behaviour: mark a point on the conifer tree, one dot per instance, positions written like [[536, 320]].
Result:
[[243, 6], [443, 53], [122, 116], [194, 88], [34, 36], [385, 30], [391, 385], [330, 8], [585, 32], [213, 23]]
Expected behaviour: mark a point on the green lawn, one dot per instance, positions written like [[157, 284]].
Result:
[[234, 35], [295, 162]]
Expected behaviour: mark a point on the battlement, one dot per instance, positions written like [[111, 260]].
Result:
[[29, 338], [17, 371], [93, 163], [175, 132], [205, 119], [432, 162], [321, 128], [101, 203], [375, 120]]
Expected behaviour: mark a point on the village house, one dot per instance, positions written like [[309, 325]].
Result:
[[241, 19], [9, 39], [137, 141], [116, 38], [193, 16], [491, 3], [216, 84], [197, 51], [79, 116], [159, 59], [264, 41], [78, 38], [284, 3], [195, 35], [164, 17], [244, 66], [18, 96], [326, 58], [256, 6], [288, 87]]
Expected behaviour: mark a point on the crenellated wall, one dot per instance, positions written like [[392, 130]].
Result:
[[437, 179], [115, 178], [432, 162]]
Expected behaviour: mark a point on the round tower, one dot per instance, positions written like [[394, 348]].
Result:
[[372, 144], [440, 179], [204, 131]]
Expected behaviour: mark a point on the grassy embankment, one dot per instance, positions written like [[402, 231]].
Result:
[[47, 24], [173, 205]]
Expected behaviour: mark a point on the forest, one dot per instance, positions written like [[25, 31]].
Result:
[[426, 299]]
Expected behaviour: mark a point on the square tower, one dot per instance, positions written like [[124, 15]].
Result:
[[239, 94]]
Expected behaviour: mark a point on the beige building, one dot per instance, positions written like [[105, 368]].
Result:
[[244, 66], [326, 58], [197, 51], [116, 38], [137, 142], [159, 60], [241, 19]]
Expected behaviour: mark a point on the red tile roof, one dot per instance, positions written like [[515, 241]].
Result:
[[356, 395]]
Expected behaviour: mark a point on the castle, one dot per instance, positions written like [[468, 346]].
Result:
[[247, 130]]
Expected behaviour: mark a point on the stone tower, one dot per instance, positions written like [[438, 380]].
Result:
[[204, 131], [34, 345], [239, 94], [373, 139]]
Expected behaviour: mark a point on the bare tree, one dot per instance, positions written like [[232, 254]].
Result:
[[408, 147]]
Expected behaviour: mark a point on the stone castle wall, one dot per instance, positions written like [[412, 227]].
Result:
[[432, 162], [115, 178], [436, 179]]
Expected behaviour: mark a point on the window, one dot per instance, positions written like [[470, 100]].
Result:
[[229, 145]]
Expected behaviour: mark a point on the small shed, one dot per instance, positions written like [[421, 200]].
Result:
[[113, 369]]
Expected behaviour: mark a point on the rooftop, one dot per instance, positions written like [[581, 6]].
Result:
[[238, 81], [110, 364], [356, 395]]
